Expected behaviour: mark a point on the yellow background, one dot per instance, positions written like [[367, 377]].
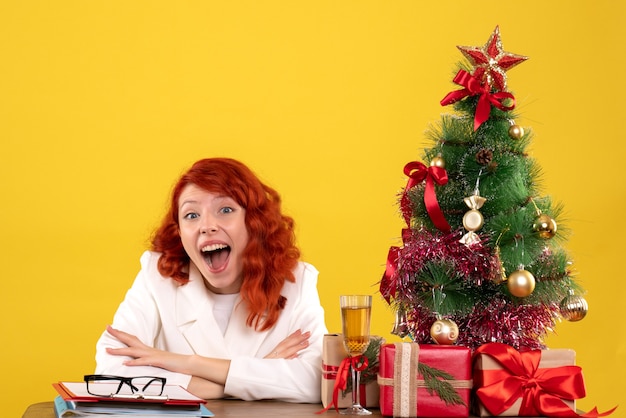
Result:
[[103, 103]]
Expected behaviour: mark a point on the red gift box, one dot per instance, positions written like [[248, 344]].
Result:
[[530, 383], [406, 392]]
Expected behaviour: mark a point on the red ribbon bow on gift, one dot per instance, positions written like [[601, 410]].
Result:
[[542, 390], [358, 363], [474, 87], [418, 172]]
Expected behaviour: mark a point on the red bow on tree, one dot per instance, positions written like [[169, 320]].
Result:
[[474, 87], [389, 284], [417, 173]]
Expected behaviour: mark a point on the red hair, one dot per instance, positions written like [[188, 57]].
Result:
[[271, 253]]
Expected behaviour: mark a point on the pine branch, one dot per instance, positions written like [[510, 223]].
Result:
[[443, 289], [437, 382]]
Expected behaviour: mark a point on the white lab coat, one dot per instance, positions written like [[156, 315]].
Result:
[[179, 319]]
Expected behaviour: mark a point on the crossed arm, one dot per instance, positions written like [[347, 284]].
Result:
[[208, 374]]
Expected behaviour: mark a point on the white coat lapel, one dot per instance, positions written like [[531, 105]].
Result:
[[194, 318], [239, 338]]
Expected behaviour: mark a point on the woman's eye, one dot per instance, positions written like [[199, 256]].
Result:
[[227, 210], [191, 215]]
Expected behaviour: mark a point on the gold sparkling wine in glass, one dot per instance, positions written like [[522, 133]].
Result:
[[356, 312], [356, 325]]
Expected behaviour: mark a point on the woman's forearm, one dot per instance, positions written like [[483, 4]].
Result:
[[206, 368], [212, 369], [205, 389]]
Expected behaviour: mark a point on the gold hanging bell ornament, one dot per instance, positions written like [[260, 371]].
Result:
[[400, 327], [545, 226], [516, 132], [500, 278], [521, 283], [444, 331], [573, 307]]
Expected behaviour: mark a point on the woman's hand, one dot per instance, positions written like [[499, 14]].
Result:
[[144, 355], [291, 346]]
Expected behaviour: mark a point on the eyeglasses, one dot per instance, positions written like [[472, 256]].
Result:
[[139, 387]]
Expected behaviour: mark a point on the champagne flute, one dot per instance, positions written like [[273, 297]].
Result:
[[355, 318]]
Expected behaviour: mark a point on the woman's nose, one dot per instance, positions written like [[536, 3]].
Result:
[[209, 226]]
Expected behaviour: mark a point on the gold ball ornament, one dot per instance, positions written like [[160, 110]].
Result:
[[521, 283], [516, 132], [444, 331], [545, 226], [573, 308], [438, 162]]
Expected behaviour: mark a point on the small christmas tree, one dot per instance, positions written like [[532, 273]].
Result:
[[482, 259]]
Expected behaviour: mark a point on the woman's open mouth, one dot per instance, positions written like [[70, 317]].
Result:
[[216, 256]]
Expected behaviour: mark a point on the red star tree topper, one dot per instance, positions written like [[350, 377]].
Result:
[[491, 61]]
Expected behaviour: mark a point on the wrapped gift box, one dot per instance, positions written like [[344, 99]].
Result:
[[406, 392], [512, 383], [333, 353]]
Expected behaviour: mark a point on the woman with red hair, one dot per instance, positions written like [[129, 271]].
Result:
[[222, 305]]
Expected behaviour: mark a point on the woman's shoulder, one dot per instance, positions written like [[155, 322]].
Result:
[[149, 273], [148, 255], [305, 271], [305, 275], [149, 260]]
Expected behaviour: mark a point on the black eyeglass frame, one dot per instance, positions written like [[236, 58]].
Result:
[[137, 393]]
